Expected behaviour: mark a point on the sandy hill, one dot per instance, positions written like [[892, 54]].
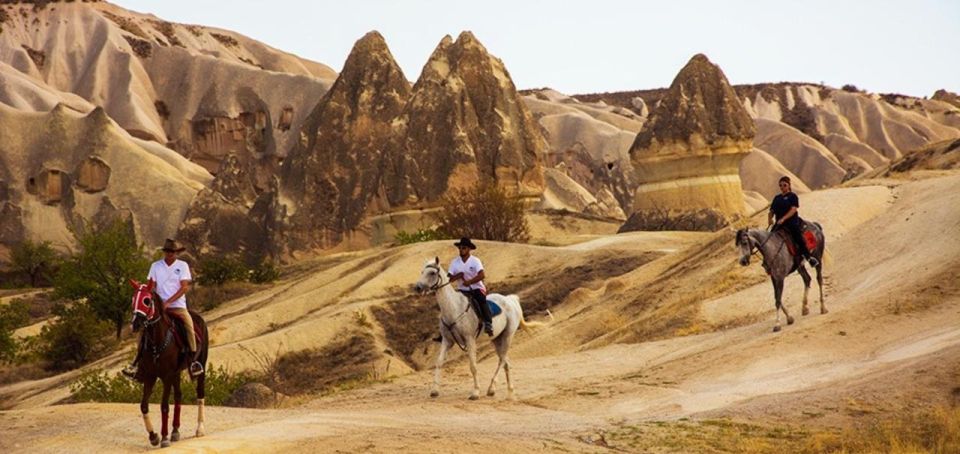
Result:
[[647, 326]]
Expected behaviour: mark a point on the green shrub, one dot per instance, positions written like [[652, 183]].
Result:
[[75, 337], [34, 261], [12, 316], [98, 386], [483, 212], [98, 273], [264, 272], [218, 270], [403, 237]]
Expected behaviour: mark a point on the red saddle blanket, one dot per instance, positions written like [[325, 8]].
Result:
[[808, 236]]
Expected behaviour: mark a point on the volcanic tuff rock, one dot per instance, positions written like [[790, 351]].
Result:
[[464, 123], [63, 169], [332, 176], [688, 154], [202, 91]]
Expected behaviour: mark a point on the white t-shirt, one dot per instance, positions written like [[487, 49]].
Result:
[[168, 280], [470, 269]]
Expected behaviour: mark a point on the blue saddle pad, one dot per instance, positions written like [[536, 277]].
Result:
[[494, 308]]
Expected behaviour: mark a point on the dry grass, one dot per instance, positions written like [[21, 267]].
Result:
[[409, 324], [205, 298], [546, 290], [935, 431], [341, 363]]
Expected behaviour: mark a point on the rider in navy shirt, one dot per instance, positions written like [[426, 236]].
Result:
[[784, 207]]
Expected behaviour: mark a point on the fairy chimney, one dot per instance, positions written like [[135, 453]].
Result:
[[687, 156]]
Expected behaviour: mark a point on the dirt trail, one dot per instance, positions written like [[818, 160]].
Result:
[[902, 249]]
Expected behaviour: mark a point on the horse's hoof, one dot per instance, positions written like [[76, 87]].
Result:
[[491, 393], [154, 439], [805, 311], [824, 311], [175, 436], [789, 320], [165, 443], [776, 329], [434, 393], [200, 433], [474, 396]]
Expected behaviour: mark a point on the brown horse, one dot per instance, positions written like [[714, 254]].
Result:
[[161, 358]]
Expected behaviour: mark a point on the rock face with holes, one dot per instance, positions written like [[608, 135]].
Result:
[[332, 178], [93, 175], [687, 156], [63, 168], [464, 123]]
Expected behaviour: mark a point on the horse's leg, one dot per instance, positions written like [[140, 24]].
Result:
[[472, 352], [506, 363], [201, 396], [498, 343], [441, 357], [145, 408], [823, 309], [777, 294], [177, 399], [165, 413], [806, 287]]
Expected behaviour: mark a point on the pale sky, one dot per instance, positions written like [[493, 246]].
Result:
[[909, 47]]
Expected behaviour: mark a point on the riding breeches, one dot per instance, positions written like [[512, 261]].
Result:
[[184, 316], [479, 301]]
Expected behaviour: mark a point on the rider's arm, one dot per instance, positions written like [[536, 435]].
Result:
[[479, 277], [184, 286], [790, 214]]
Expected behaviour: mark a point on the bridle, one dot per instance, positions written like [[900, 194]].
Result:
[[756, 249], [449, 326], [437, 285], [147, 343]]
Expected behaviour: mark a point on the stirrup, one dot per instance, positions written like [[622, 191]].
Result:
[[196, 369], [488, 328], [130, 371], [813, 262]]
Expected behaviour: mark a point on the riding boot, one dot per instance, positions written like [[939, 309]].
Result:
[[131, 370], [486, 317]]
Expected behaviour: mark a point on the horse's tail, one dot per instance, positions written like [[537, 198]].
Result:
[[524, 324]]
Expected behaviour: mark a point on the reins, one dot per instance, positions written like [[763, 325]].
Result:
[[449, 326]]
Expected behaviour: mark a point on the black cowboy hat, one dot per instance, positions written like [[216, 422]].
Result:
[[172, 246], [465, 242]]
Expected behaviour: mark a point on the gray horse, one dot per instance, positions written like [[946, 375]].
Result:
[[778, 263]]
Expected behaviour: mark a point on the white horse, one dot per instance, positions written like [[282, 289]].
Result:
[[460, 324]]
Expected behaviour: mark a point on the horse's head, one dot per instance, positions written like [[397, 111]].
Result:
[[431, 276], [144, 308], [745, 246]]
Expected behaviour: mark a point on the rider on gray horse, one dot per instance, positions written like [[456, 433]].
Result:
[[469, 271], [784, 206]]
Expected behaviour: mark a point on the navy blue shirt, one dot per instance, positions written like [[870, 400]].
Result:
[[782, 202]]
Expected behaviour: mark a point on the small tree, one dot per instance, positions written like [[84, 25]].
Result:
[[35, 260], [99, 271], [484, 212], [75, 337], [12, 316]]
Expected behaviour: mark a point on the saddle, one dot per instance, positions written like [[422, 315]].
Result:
[[808, 237], [180, 334]]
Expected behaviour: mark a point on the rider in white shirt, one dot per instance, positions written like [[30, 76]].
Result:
[[469, 270]]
